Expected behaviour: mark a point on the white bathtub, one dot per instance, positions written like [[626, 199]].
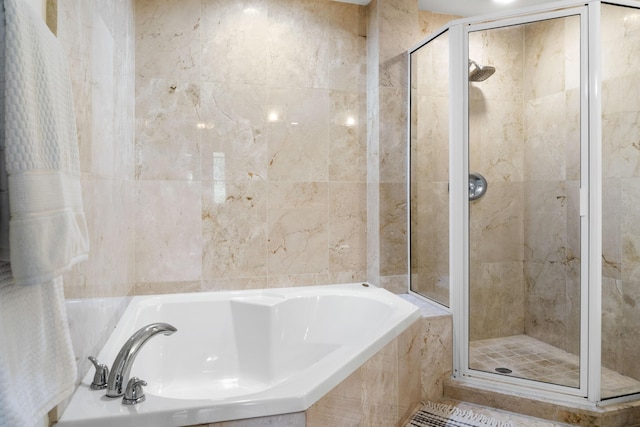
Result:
[[243, 354]]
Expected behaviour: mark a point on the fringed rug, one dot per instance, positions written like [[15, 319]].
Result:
[[442, 415]]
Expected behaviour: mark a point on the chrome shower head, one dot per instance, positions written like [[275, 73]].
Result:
[[480, 73]]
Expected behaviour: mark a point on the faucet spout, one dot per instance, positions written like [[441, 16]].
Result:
[[119, 374]]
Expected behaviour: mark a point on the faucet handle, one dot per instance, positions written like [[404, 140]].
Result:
[[134, 393], [100, 377]]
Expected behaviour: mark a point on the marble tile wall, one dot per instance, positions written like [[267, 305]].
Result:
[[524, 138], [621, 189], [386, 388], [393, 27], [98, 37], [551, 182], [496, 135], [250, 152]]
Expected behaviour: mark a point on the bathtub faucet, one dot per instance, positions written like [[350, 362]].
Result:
[[119, 374]]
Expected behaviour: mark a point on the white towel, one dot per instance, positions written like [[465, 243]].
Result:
[[47, 228], [37, 366]]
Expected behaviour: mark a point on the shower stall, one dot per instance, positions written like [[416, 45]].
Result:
[[524, 190]]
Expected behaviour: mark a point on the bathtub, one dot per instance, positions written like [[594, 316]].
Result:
[[243, 354]]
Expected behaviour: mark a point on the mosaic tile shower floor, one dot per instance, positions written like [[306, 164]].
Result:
[[530, 358]]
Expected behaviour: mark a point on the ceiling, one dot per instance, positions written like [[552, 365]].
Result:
[[466, 7]]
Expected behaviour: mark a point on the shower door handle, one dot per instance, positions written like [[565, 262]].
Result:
[[477, 186]]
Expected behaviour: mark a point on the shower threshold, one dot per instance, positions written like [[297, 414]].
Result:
[[530, 358]]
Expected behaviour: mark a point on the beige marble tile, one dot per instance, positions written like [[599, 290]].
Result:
[[400, 26], [234, 126], [300, 279], [393, 229], [544, 58], [373, 235], [75, 21], [409, 357], [612, 324], [630, 230], [395, 284], [546, 304], [347, 226], [436, 355], [503, 49], [298, 134], [347, 137], [341, 406], [108, 261], [498, 219], [313, 58], [124, 127], [431, 21], [168, 39], [430, 155], [629, 331], [393, 134], [167, 119], [297, 228], [234, 41], [156, 288], [545, 232], [380, 387], [497, 301], [621, 158], [103, 105], [611, 228], [234, 284], [500, 148], [546, 121], [620, 29], [168, 222], [234, 229]]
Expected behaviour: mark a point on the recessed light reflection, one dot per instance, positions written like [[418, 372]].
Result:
[[251, 11], [273, 116], [503, 1], [351, 121]]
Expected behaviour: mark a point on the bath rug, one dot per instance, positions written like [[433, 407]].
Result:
[[442, 415]]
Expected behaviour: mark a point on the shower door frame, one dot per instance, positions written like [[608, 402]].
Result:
[[590, 197]]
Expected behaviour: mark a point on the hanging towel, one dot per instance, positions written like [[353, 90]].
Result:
[[47, 228], [37, 366]]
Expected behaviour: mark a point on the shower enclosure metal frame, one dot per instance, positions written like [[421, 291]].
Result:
[[590, 205]]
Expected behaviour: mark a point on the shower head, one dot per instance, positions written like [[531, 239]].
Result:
[[480, 73]]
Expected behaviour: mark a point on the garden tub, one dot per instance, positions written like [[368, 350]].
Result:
[[242, 354]]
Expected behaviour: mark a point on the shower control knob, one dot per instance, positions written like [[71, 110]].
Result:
[[477, 186]]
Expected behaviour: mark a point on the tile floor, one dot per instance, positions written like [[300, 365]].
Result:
[[530, 358]]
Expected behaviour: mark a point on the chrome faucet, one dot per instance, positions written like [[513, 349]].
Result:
[[119, 374]]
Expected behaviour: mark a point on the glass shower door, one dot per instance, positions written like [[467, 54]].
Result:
[[429, 157], [524, 248]]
